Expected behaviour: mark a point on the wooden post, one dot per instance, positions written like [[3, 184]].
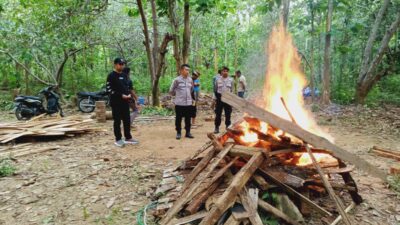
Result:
[[101, 111], [299, 132]]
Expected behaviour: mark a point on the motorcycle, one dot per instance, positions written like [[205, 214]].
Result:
[[27, 107], [87, 100]]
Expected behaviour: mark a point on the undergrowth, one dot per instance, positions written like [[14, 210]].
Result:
[[156, 111], [6, 167]]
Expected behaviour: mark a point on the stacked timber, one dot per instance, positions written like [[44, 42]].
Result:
[[101, 111]]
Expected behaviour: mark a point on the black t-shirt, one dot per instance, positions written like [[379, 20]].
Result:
[[116, 87]]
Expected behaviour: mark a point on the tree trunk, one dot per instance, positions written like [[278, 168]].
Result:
[[146, 42], [371, 40], [285, 12], [26, 74], [326, 78], [186, 33], [216, 59], [368, 80], [312, 85], [175, 32]]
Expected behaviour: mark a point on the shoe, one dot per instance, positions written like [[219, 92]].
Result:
[[119, 143], [131, 141], [189, 135], [216, 131], [178, 136]]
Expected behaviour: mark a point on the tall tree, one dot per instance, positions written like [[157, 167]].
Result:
[[155, 52], [327, 62], [186, 32], [369, 75]]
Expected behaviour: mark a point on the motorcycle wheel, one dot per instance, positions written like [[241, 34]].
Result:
[[86, 105], [18, 113]]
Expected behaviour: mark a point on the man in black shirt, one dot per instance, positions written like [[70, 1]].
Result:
[[119, 101]]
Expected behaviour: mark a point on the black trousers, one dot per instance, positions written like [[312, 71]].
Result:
[[183, 112], [218, 112], [121, 112]]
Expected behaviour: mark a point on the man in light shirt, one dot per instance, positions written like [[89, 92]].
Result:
[[241, 84], [181, 88], [222, 84]]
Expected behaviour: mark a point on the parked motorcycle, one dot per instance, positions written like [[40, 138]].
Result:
[[27, 107], [87, 100]]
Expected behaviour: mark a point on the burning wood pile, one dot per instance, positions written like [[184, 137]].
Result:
[[259, 170]]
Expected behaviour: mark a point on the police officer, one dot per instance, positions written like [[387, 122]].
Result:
[[222, 84]]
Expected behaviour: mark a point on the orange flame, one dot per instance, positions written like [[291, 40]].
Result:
[[285, 79], [305, 159]]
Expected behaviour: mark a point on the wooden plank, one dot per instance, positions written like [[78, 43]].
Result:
[[276, 212], [232, 221], [386, 150], [250, 206], [196, 187], [386, 154], [191, 218], [296, 194], [202, 197], [299, 132], [200, 166], [331, 192], [239, 181]]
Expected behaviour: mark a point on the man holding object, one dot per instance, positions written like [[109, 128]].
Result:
[[119, 102]]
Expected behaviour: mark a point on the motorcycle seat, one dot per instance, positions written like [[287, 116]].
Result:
[[31, 97], [94, 94]]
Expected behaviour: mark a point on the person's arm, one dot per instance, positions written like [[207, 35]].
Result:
[[243, 82], [113, 86], [172, 89]]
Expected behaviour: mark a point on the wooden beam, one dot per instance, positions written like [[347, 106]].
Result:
[[250, 207], [196, 187], [276, 212], [228, 197], [299, 132], [191, 218]]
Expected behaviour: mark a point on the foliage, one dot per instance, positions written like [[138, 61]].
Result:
[[394, 182], [6, 167], [156, 111]]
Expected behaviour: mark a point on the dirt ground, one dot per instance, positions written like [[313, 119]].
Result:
[[89, 181]]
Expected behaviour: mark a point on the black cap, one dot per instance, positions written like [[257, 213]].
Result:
[[119, 61]]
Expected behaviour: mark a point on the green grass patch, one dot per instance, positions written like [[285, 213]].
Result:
[[6, 167], [156, 111]]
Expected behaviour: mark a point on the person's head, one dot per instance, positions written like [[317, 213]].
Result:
[[238, 73], [195, 75], [184, 70], [126, 71], [225, 71], [119, 64], [219, 71]]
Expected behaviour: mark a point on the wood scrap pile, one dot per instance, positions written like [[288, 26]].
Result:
[[23, 150], [274, 177], [47, 127], [204, 103], [388, 153]]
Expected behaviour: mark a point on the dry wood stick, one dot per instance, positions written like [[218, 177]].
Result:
[[350, 207], [228, 197], [191, 218], [331, 192], [386, 150], [276, 212], [299, 132], [232, 221]]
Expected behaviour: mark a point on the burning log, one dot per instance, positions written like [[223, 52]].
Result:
[[299, 132]]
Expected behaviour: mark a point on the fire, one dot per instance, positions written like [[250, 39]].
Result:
[[249, 137], [305, 159], [285, 79]]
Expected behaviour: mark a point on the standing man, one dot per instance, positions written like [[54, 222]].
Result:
[[222, 84], [241, 84], [119, 101], [182, 88]]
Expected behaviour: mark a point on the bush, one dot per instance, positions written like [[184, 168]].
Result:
[[6, 168]]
